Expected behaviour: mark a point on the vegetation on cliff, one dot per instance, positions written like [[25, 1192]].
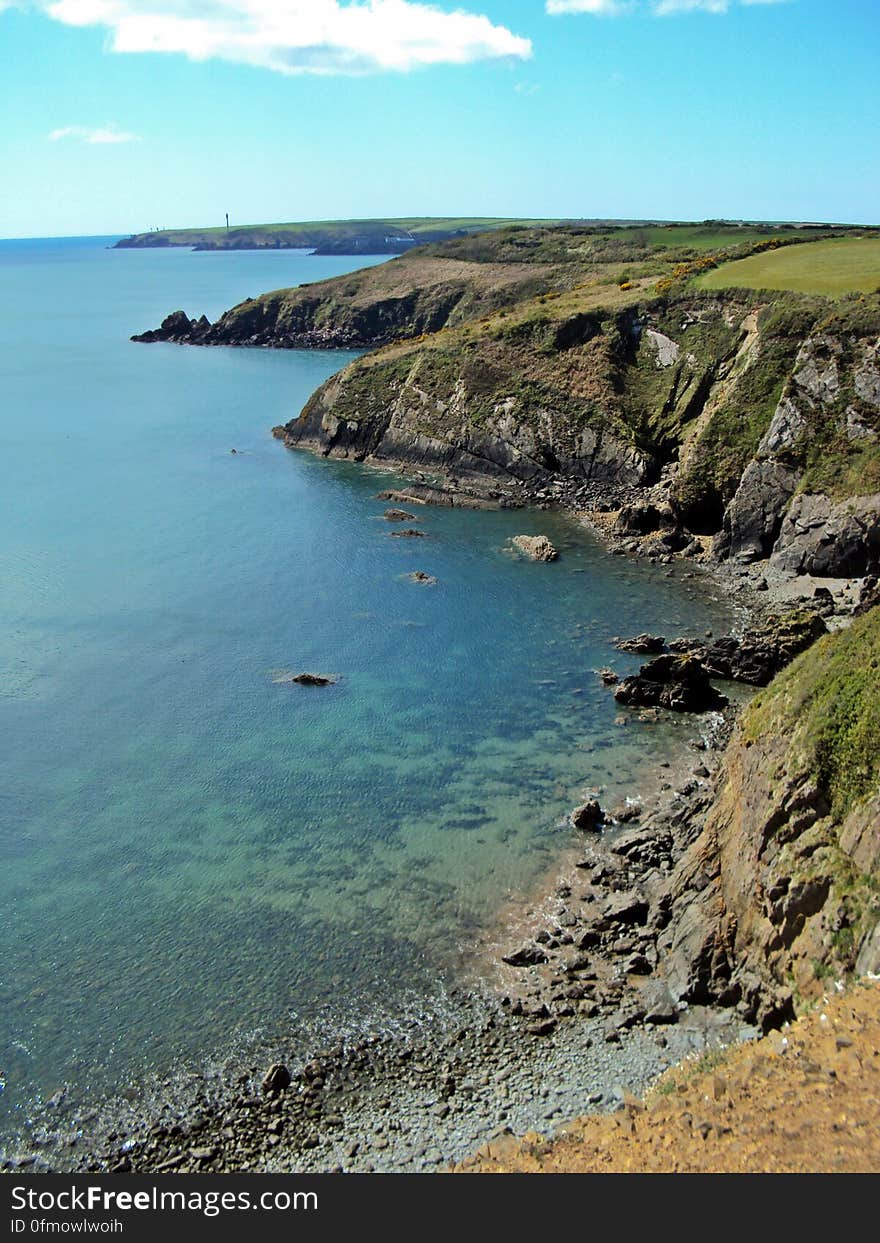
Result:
[[343, 237], [781, 889], [826, 704], [593, 355]]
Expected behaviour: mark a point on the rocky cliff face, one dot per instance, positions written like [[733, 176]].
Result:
[[421, 409], [532, 357], [763, 430], [418, 293], [781, 889], [808, 497]]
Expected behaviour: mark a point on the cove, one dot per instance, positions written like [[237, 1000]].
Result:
[[190, 850]]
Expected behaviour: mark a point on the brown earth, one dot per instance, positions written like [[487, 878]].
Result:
[[805, 1099]]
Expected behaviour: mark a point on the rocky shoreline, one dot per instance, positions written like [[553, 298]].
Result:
[[570, 1014], [725, 435], [573, 1019]]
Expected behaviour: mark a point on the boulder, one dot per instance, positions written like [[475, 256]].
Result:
[[398, 515], [276, 1079], [643, 518], [589, 817], [678, 683], [659, 1003], [535, 547], [528, 955], [628, 907]]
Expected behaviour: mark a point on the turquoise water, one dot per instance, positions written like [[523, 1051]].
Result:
[[190, 849]]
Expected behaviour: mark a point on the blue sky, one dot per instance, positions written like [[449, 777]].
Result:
[[120, 115]]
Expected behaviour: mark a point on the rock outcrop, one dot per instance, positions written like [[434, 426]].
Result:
[[512, 361], [828, 539], [824, 427], [761, 652], [779, 890], [679, 683], [535, 547]]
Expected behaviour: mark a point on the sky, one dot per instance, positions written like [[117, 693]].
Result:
[[117, 116]]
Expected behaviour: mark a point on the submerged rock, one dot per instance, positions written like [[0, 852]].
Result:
[[409, 533], [307, 679], [535, 547], [642, 644], [419, 576]]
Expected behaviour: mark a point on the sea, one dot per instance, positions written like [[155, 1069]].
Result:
[[194, 850]]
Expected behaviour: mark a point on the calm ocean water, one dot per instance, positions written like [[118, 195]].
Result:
[[189, 850]]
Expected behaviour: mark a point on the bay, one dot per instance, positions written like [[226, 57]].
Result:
[[190, 849]]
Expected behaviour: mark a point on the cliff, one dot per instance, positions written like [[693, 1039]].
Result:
[[780, 891], [328, 237], [759, 414], [587, 361]]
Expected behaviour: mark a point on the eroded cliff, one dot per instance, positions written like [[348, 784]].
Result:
[[780, 892]]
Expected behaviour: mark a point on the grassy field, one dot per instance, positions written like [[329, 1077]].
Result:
[[830, 267], [709, 236]]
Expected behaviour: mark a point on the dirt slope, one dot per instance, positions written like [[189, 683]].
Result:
[[802, 1100]]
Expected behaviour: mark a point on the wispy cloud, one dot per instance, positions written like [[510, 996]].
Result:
[[659, 8], [106, 135], [297, 36], [601, 8]]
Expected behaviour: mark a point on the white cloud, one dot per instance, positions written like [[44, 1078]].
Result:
[[602, 8], [664, 8], [659, 8], [109, 134], [297, 36]]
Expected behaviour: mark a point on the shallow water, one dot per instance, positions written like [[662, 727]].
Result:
[[190, 849]]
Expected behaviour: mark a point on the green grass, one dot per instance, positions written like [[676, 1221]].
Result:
[[707, 237], [830, 267], [826, 702]]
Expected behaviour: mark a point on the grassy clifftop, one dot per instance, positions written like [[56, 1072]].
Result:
[[595, 353], [377, 237]]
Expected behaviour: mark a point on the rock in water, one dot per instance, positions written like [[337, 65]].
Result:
[[307, 679], [409, 533], [419, 576], [589, 817], [678, 683], [642, 644], [536, 547], [399, 515]]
